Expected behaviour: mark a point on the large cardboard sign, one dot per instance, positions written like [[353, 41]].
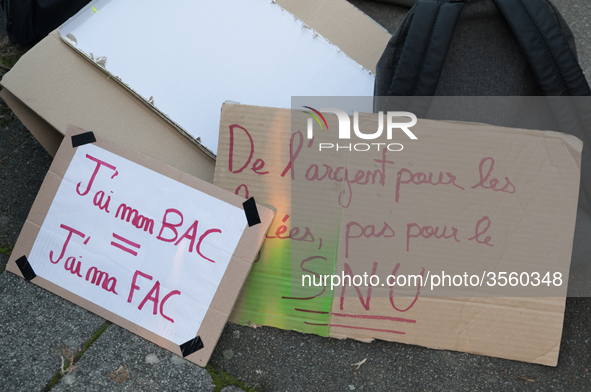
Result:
[[462, 240], [54, 86], [249, 51], [144, 245]]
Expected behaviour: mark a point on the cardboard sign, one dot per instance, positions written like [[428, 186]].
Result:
[[54, 86], [260, 55], [464, 199], [139, 243]]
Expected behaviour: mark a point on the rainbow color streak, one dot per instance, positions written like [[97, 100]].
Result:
[[266, 296], [315, 117]]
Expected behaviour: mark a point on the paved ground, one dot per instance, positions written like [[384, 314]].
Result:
[[37, 328]]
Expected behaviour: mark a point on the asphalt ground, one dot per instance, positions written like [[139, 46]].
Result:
[[40, 332]]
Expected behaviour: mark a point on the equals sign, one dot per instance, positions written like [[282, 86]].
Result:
[[123, 247]]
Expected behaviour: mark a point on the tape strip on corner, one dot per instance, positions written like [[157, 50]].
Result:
[[191, 346], [252, 214], [25, 267], [82, 139]]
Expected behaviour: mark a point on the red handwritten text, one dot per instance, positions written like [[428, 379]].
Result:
[[153, 295], [355, 230], [493, 183], [341, 174], [99, 163], [294, 233], [422, 178], [258, 164], [132, 215], [190, 233], [428, 232], [479, 232]]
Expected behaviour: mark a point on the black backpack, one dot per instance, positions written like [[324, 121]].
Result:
[[442, 45], [500, 48], [29, 21]]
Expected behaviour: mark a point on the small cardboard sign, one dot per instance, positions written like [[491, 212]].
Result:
[[458, 210], [146, 246]]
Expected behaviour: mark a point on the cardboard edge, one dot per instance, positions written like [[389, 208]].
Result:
[[548, 359], [340, 22], [49, 137], [141, 99], [574, 142], [210, 331], [81, 16]]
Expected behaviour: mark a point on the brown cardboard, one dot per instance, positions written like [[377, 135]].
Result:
[[59, 86], [88, 97], [229, 286], [532, 230]]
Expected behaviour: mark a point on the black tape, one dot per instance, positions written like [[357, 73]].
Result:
[[26, 269], [191, 346], [252, 214], [82, 139]]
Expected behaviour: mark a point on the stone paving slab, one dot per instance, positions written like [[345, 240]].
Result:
[[150, 367], [36, 326]]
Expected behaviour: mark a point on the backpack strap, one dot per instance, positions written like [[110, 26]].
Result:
[[425, 48], [558, 72], [553, 62]]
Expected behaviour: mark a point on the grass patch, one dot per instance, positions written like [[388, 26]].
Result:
[[91, 341], [6, 250], [10, 53], [10, 59], [76, 358], [223, 379]]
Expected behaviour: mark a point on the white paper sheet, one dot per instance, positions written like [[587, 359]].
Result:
[[191, 56], [177, 277]]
